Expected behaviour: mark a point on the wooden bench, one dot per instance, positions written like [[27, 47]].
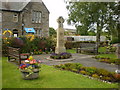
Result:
[[89, 47], [14, 53]]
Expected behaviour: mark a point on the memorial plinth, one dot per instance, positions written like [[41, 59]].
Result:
[[60, 46]]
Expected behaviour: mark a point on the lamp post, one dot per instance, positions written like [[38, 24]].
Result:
[[22, 28], [22, 16]]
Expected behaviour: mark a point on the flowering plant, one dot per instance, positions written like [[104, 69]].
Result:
[[30, 66], [63, 55]]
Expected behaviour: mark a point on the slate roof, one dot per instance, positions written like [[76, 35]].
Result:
[[13, 6], [17, 6]]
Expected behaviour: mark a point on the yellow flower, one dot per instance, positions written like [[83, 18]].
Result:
[[8, 42], [6, 38], [30, 58]]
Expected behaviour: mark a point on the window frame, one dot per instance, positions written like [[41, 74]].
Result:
[[36, 17], [15, 17]]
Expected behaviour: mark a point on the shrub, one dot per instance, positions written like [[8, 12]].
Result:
[[69, 45], [95, 76], [83, 72], [102, 72], [70, 66], [83, 68], [74, 70], [78, 66], [64, 55], [106, 78], [57, 66], [91, 70], [63, 66], [114, 40]]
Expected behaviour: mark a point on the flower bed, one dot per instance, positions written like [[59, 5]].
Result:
[[63, 55], [108, 60], [30, 68], [94, 72]]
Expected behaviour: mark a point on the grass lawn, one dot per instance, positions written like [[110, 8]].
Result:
[[102, 49], [111, 55], [71, 50], [49, 78]]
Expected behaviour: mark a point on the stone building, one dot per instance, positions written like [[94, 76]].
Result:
[[18, 16]]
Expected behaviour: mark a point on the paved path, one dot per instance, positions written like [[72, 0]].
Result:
[[86, 60]]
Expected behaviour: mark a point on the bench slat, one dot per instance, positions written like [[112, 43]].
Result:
[[15, 53]]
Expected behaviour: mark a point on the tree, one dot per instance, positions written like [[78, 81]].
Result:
[[81, 30], [89, 15], [52, 32]]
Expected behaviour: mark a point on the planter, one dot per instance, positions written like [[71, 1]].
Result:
[[34, 75]]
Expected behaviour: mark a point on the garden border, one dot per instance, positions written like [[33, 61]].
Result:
[[60, 60]]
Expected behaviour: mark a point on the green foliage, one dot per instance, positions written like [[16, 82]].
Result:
[[43, 44], [91, 33], [63, 55], [102, 49], [71, 50], [106, 78], [103, 72], [111, 55], [52, 32], [90, 71], [87, 16], [111, 61], [95, 76], [83, 72], [81, 30], [114, 40]]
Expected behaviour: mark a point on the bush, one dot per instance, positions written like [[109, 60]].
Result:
[[102, 72], [95, 76], [114, 40], [91, 70], [69, 45], [83, 72], [28, 46], [63, 55], [106, 78]]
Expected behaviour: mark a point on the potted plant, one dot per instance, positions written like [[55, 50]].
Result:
[[30, 68]]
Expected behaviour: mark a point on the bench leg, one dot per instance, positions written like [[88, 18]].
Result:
[[80, 51], [76, 50], [8, 58], [27, 56], [19, 61]]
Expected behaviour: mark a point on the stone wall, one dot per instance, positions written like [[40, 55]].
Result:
[[26, 15]]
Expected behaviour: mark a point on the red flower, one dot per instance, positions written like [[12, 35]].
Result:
[[23, 66], [28, 59], [40, 50], [33, 61]]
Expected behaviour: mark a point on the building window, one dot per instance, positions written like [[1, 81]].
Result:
[[36, 17], [15, 17]]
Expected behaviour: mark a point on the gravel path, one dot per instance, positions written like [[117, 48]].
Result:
[[86, 60]]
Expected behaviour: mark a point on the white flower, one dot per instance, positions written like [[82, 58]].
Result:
[[26, 61], [117, 71]]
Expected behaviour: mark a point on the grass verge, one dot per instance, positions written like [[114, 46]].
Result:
[[49, 78]]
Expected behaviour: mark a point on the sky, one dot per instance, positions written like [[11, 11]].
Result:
[[57, 8]]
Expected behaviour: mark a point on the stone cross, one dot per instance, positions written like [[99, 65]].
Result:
[[60, 21], [60, 46]]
